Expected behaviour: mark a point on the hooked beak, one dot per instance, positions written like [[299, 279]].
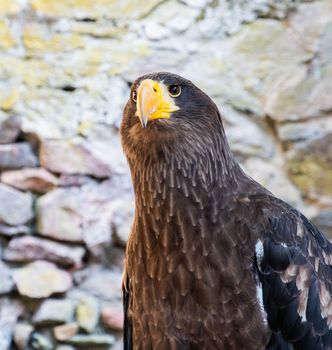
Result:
[[153, 101]]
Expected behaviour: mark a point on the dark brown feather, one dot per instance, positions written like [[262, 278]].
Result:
[[190, 261]]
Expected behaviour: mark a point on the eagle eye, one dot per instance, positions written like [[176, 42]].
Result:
[[134, 96], [174, 90]]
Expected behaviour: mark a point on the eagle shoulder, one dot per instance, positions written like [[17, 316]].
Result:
[[294, 267]]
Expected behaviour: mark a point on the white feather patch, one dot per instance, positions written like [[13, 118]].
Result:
[[259, 295], [259, 250]]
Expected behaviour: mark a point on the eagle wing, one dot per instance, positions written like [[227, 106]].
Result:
[[127, 327], [294, 266]]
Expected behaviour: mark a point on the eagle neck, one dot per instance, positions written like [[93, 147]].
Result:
[[172, 185]]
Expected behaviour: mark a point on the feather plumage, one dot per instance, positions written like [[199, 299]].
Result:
[[205, 236]]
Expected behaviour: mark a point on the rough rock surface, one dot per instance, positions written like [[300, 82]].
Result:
[[324, 220], [65, 190], [112, 317], [9, 129], [6, 278], [10, 311], [122, 217], [29, 248], [92, 340], [14, 230], [16, 206], [41, 279], [37, 180], [87, 313], [76, 214], [103, 284], [22, 333], [53, 311], [65, 331], [310, 166], [17, 155]]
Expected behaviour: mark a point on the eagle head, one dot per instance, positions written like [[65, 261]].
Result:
[[166, 112]]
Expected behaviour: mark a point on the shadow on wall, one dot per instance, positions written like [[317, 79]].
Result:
[[66, 201]]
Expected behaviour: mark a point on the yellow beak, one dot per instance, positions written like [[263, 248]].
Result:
[[153, 101]]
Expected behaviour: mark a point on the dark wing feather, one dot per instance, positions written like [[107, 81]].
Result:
[[294, 264], [127, 327]]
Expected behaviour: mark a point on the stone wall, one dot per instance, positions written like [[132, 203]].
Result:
[[65, 195]]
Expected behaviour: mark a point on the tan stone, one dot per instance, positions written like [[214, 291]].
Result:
[[8, 7], [32, 72], [39, 40], [87, 313], [112, 316], [7, 39], [93, 9], [65, 331], [8, 98], [30, 179], [22, 333], [310, 166], [41, 279], [100, 29], [30, 248]]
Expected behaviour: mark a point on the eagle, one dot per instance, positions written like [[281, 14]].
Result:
[[214, 260]]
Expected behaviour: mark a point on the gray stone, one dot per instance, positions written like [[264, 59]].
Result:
[[92, 340], [325, 46], [17, 155], [104, 284], [30, 248], [274, 178], [58, 215], [15, 206], [324, 222], [77, 214], [307, 130], [97, 154], [75, 157], [87, 313], [122, 218], [301, 97], [156, 31], [54, 311], [246, 137], [6, 278], [10, 311], [22, 333], [9, 129], [37, 180], [305, 94], [310, 20], [73, 180], [40, 279], [11, 231], [41, 342], [197, 3], [64, 347], [175, 15]]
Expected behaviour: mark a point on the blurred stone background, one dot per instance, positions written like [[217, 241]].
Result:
[[65, 196]]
